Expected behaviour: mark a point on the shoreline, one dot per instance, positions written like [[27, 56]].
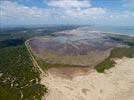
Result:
[[114, 33], [117, 33]]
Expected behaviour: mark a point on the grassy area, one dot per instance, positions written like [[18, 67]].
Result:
[[115, 53], [19, 79]]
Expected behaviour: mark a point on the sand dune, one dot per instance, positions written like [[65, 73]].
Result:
[[116, 84]]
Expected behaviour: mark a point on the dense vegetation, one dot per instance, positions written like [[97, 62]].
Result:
[[19, 79], [115, 53], [11, 42]]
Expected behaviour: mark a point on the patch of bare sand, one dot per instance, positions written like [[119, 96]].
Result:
[[69, 72], [116, 84]]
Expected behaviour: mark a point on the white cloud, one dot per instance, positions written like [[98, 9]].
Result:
[[129, 3], [16, 13], [68, 3], [124, 15], [86, 13], [75, 8], [62, 11], [13, 9]]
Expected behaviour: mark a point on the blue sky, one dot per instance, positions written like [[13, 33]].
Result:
[[92, 12]]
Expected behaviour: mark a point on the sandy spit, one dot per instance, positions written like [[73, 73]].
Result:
[[116, 84]]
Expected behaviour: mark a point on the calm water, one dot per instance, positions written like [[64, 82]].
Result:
[[127, 30]]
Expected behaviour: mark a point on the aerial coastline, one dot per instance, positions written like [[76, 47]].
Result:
[[54, 76]]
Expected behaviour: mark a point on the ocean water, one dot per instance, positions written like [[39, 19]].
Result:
[[126, 30]]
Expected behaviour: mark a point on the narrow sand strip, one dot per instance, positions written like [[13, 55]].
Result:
[[116, 84]]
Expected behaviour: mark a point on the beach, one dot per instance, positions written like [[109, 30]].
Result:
[[116, 83]]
